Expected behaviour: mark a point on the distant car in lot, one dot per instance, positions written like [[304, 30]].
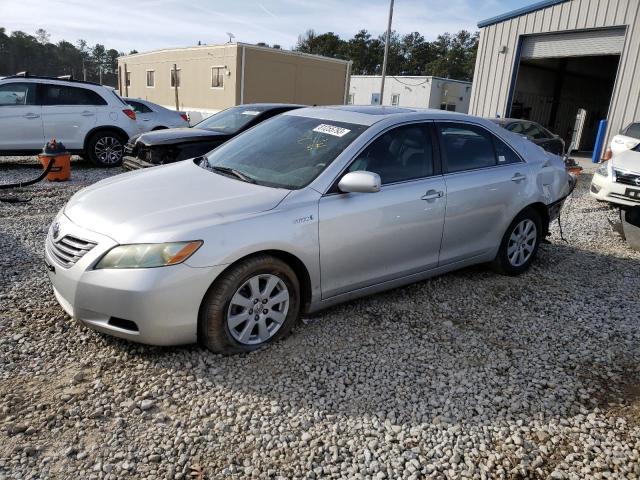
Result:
[[534, 132], [151, 116], [627, 139], [618, 180], [227, 249], [168, 146], [90, 119]]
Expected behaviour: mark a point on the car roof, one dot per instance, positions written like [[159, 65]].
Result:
[[371, 114]]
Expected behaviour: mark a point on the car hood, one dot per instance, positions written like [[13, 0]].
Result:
[[167, 203], [170, 136], [627, 160]]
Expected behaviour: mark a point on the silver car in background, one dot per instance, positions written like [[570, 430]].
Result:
[[311, 208], [151, 116]]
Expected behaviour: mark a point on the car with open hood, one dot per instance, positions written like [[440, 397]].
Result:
[[174, 144], [311, 208]]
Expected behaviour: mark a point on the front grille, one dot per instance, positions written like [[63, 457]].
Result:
[[68, 250], [627, 178]]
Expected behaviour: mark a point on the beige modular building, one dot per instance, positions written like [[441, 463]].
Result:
[[214, 77], [566, 64]]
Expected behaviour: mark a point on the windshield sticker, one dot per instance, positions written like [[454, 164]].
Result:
[[250, 112], [331, 130]]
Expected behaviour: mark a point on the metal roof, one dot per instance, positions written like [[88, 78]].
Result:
[[519, 12]]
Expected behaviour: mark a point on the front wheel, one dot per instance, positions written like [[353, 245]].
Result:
[[105, 149], [520, 244], [254, 303]]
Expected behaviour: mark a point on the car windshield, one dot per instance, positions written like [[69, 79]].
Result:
[[232, 119], [285, 152]]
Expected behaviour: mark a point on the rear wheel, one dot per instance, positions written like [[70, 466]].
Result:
[[106, 148], [520, 244], [254, 303]]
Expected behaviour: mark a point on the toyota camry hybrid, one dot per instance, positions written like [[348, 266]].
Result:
[[311, 208]]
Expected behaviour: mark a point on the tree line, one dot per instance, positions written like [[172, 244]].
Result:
[[449, 55], [20, 52]]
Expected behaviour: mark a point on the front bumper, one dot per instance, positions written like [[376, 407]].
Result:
[[606, 190], [157, 306], [134, 163]]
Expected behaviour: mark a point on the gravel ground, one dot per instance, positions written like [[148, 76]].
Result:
[[469, 375]]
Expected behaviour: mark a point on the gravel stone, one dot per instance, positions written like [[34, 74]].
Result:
[[467, 375]]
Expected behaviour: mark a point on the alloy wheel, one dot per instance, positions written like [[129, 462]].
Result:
[[258, 309], [522, 242], [108, 150]]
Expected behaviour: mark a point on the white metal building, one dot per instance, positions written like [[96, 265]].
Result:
[[411, 91], [566, 64]]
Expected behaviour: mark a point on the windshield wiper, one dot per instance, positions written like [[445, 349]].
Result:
[[234, 172]]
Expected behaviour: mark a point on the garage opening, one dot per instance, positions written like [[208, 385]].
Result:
[[565, 82]]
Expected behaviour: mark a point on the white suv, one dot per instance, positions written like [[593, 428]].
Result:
[[91, 120]]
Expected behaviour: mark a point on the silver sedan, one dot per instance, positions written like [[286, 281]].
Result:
[[314, 207], [151, 116]]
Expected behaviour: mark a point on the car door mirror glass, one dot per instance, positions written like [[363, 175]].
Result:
[[360, 182]]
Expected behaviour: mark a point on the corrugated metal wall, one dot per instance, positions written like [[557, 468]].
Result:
[[494, 70]]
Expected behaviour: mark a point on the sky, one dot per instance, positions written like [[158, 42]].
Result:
[[151, 24]]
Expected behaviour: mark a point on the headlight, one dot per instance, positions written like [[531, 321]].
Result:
[[148, 255], [603, 169]]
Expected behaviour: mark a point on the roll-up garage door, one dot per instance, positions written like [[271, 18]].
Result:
[[608, 41]]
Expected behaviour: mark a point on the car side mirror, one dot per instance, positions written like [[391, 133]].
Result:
[[360, 182]]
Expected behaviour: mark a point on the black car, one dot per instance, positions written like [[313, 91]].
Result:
[[534, 132], [174, 144]]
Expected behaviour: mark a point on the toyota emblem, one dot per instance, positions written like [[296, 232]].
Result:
[[55, 230], [637, 181]]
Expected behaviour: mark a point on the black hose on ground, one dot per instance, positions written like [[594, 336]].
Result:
[[31, 182]]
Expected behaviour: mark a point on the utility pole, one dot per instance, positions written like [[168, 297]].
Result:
[[175, 84], [386, 53], [100, 73], [84, 71]]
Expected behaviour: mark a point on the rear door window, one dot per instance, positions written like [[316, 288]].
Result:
[[16, 93], [470, 147], [65, 95], [139, 107], [404, 153]]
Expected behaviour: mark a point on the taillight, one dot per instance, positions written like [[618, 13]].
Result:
[[607, 155], [184, 116], [129, 113]]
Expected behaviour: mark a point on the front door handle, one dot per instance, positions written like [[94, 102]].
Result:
[[31, 115], [87, 113], [432, 195], [518, 177]]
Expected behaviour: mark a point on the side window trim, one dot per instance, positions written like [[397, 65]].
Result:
[[435, 148], [493, 136]]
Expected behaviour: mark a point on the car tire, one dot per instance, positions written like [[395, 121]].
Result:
[[520, 244], [106, 148], [229, 323]]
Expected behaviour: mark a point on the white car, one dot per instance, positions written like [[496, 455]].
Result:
[[151, 116], [627, 139], [90, 119], [618, 180]]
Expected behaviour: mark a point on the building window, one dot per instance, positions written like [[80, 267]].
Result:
[[151, 78], [127, 80], [175, 81], [350, 98], [217, 77], [375, 99], [395, 99], [449, 107]]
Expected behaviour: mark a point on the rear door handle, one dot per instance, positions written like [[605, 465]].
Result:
[[87, 113], [31, 115], [518, 177], [432, 195]]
